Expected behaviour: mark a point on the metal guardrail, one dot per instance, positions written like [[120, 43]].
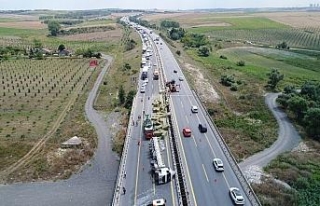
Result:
[[243, 181], [121, 170]]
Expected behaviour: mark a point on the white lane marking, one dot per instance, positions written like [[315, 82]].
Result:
[[194, 140], [184, 156], [205, 173]]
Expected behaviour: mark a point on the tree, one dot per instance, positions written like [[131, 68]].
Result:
[[129, 100], [178, 52], [283, 45], [203, 51], [289, 89], [312, 122], [274, 78], [121, 95], [298, 105], [311, 90], [54, 28], [61, 47]]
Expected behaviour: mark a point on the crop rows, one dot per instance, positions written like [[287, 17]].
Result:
[[295, 37], [34, 92]]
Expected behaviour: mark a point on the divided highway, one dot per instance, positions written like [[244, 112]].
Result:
[[208, 187], [204, 185]]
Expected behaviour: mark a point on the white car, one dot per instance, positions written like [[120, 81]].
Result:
[[194, 109], [146, 80], [142, 89], [236, 196], [159, 202], [180, 78], [218, 164]]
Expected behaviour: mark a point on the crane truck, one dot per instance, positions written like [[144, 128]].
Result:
[[147, 127]]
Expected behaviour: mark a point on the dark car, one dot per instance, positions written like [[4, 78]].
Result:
[[174, 71], [202, 128]]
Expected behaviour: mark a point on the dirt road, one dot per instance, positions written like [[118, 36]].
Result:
[[288, 137]]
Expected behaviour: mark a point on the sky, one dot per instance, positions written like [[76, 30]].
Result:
[[148, 4]]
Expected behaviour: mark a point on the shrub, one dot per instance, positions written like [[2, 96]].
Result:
[[223, 57], [241, 63]]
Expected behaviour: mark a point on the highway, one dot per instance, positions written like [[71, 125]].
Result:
[[208, 187], [205, 186], [135, 176]]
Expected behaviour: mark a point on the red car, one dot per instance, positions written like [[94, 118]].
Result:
[[186, 132]]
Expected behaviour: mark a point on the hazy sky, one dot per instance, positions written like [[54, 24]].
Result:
[[148, 4]]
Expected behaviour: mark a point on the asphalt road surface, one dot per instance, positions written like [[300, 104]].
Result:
[[288, 137], [93, 186], [139, 185]]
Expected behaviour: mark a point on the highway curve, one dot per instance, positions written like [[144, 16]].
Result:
[[288, 137], [93, 186]]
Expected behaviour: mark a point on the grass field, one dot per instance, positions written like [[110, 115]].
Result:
[[251, 23]]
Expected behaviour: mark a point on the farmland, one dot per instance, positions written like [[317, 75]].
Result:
[[35, 98]]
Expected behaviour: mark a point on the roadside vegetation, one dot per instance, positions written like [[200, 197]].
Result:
[[119, 86], [243, 58]]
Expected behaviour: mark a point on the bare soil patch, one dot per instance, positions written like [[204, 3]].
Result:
[[204, 88], [294, 19], [20, 17], [23, 25]]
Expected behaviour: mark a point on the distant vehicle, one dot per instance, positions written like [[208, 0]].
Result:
[[202, 128], [158, 202], [146, 80], [175, 71], [194, 109], [144, 84], [154, 64], [236, 196], [142, 89], [160, 43], [186, 132], [180, 78], [218, 164]]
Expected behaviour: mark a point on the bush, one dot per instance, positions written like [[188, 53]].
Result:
[[234, 87], [178, 52], [223, 57], [241, 63]]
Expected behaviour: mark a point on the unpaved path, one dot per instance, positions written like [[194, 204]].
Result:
[[93, 186], [288, 138]]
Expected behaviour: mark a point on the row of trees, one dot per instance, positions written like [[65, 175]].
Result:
[[54, 28], [304, 105], [169, 24]]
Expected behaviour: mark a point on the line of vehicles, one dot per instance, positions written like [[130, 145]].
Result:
[[160, 172]]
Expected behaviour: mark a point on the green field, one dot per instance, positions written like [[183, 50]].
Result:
[[259, 61], [240, 23], [22, 32], [261, 31]]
